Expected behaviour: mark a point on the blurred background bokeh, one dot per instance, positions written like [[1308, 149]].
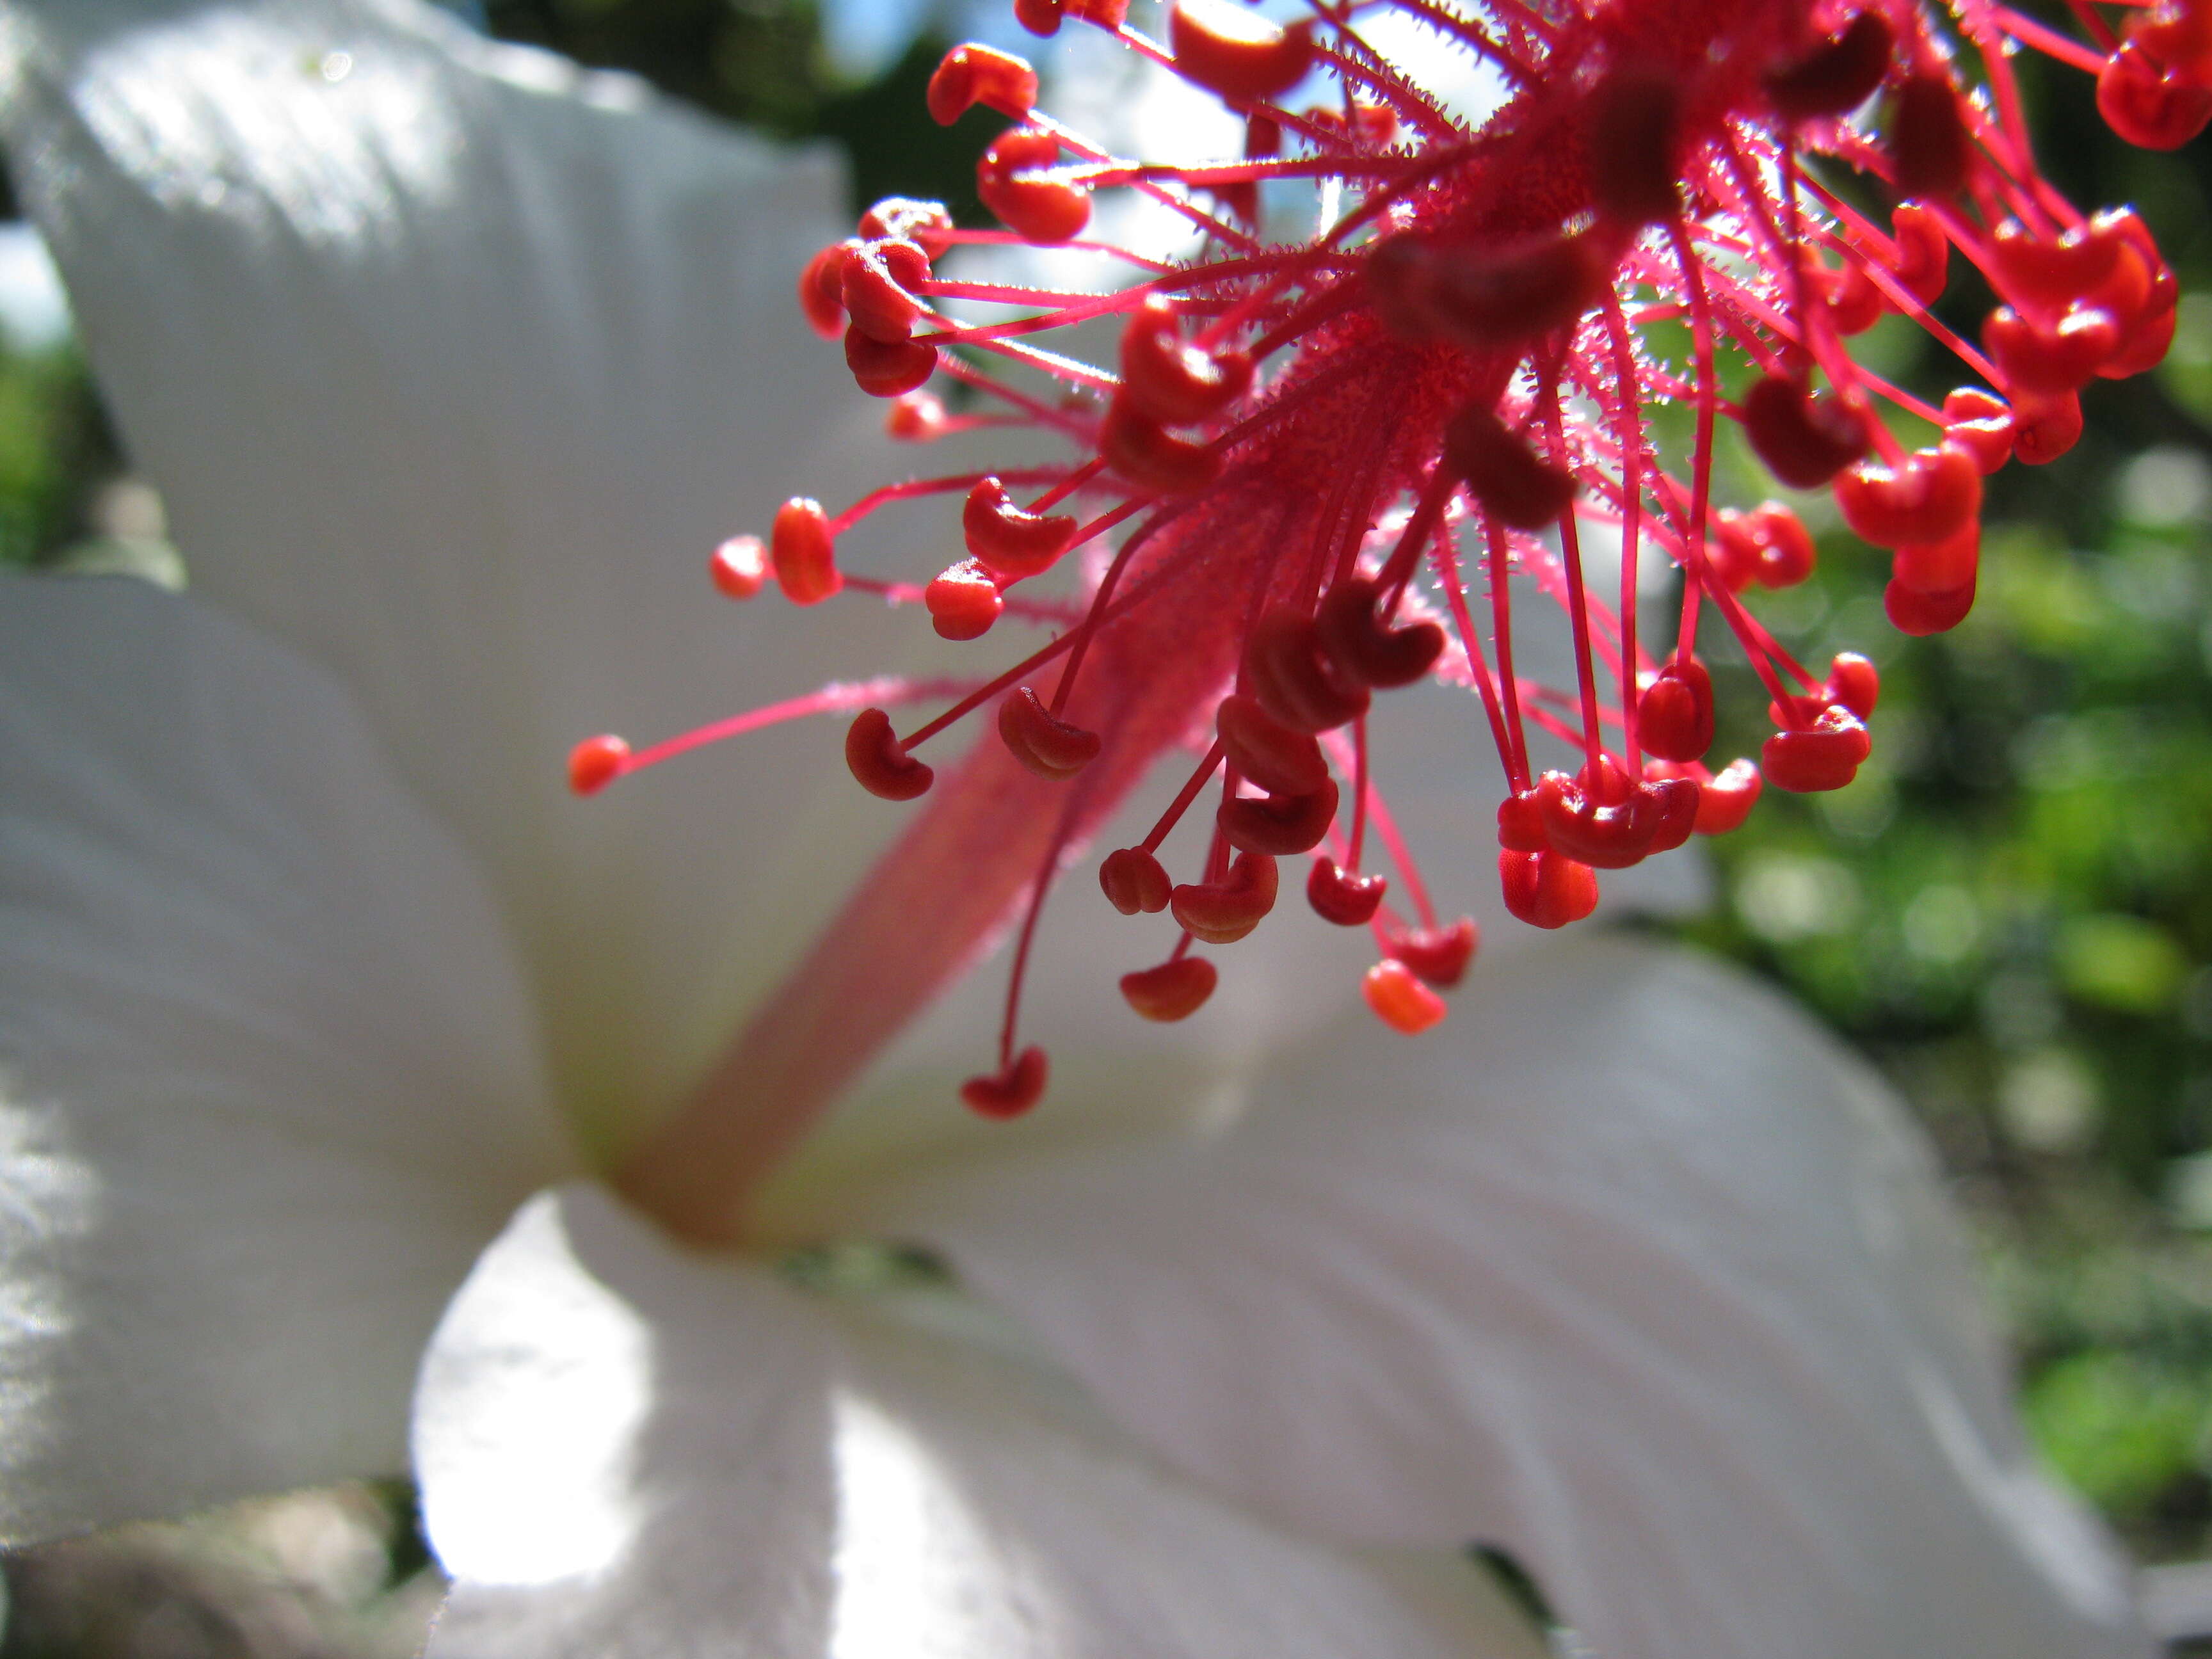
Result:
[[2009, 912]]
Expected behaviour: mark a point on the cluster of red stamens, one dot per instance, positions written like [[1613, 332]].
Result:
[[1314, 439]]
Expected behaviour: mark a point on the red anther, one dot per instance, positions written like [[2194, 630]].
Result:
[[822, 289], [1347, 900], [916, 418], [1278, 758], [1837, 76], [738, 567], [963, 601], [1010, 1092], [1150, 456], [1263, 135], [1364, 648], [1923, 252], [974, 74], [1279, 825], [2148, 105], [1295, 680], [2145, 345], [1786, 554], [1854, 682], [596, 762], [1980, 424], [1853, 304], [1674, 717], [1634, 139], [1047, 746], [1940, 566], [1038, 16], [1546, 890], [1485, 297], [885, 368], [1605, 835], [1928, 498], [1731, 552], [1929, 145], [804, 557], [2044, 428], [2177, 33], [1521, 822], [1438, 955], [1725, 801], [2048, 359], [1043, 16], [1174, 990], [1010, 543], [1041, 210], [1921, 614], [1134, 881], [1823, 756], [927, 225], [878, 277], [2049, 272], [1222, 912], [1400, 1000], [879, 761], [1238, 53], [1804, 439], [1674, 809], [1175, 384], [1514, 485]]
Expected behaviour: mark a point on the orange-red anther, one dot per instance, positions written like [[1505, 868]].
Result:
[[2044, 428], [1634, 139], [1047, 746], [803, 553], [903, 218], [1134, 881], [1174, 990], [1823, 756], [963, 601], [822, 289], [1294, 679], [1040, 210], [1336, 895], [879, 278], [1236, 53], [1940, 566], [885, 369], [916, 418], [1011, 1092], [1932, 150], [1923, 252], [880, 762], [1979, 422], [2050, 357], [975, 74], [1854, 682], [1609, 834], [1359, 643], [2149, 105], [1150, 456], [1279, 758], [1485, 297], [738, 567], [1011, 544], [1921, 614], [1725, 801], [1546, 890], [1929, 498], [1222, 912], [596, 762], [1399, 998], [1513, 483], [1805, 439], [1837, 76], [1439, 956], [1675, 716], [1174, 383], [1279, 825]]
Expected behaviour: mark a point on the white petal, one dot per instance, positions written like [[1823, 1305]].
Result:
[[1624, 1268], [630, 1452], [451, 363], [267, 1075]]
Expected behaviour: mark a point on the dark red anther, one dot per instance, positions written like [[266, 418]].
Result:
[[879, 278], [1606, 836], [879, 761], [2044, 428], [1546, 890], [1514, 485], [1928, 497], [1044, 212], [927, 225], [1359, 643], [974, 74], [1923, 252], [1980, 424], [1279, 758], [1237, 52], [1337, 896], [2050, 358], [1932, 152], [1222, 912], [1009, 543], [739, 567], [1174, 990], [963, 601], [1176, 384], [596, 762], [1439, 955], [1399, 998], [2149, 105], [1921, 614], [1805, 439], [1837, 76], [1940, 566], [1675, 716], [2039, 272], [804, 554], [1726, 800], [1484, 297], [1521, 822], [916, 418], [888, 368], [1634, 139], [1823, 756], [1047, 746], [1043, 16], [822, 289], [1853, 304], [1854, 682], [1135, 881], [1279, 825], [1295, 680], [1011, 1092], [1150, 456]]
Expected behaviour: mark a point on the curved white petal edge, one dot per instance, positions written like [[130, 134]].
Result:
[[1625, 1267], [268, 1076], [628, 1452]]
